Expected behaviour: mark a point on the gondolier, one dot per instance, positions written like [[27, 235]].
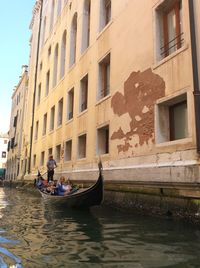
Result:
[[51, 164]]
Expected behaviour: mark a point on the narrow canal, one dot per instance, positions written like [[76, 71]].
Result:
[[35, 235]]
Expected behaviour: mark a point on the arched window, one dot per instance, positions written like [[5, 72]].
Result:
[[63, 55], [86, 25], [73, 40], [59, 7], [105, 13], [52, 15], [55, 66], [44, 31]]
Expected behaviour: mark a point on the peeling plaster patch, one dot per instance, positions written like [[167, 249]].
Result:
[[138, 118], [122, 123], [145, 110], [119, 134], [141, 90], [136, 85], [124, 148]]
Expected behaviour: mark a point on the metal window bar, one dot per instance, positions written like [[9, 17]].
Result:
[[83, 106], [104, 92], [166, 48], [70, 115]]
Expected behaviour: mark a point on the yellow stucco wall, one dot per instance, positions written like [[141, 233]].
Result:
[[130, 38]]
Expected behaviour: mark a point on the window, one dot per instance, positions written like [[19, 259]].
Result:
[[169, 28], [73, 40], [17, 139], [58, 153], [50, 151], [49, 52], [36, 130], [59, 7], [105, 14], [70, 113], [104, 77], [44, 124], [34, 160], [43, 31], [22, 167], [83, 94], [63, 55], [86, 26], [52, 15], [15, 121], [82, 146], [55, 66], [8, 149], [47, 82], [39, 94], [60, 112], [178, 121], [172, 119], [3, 155], [40, 66], [103, 140], [42, 158], [68, 150], [52, 116]]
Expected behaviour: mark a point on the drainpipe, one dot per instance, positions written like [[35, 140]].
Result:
[[35, 86], [196, 91]]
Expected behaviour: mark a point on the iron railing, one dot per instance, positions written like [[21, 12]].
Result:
[[175, 43]]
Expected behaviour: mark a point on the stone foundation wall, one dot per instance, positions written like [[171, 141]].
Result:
[[155, 205]]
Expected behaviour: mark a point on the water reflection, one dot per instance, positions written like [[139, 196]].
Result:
[[7, 258], [3, 202], [43, 236]]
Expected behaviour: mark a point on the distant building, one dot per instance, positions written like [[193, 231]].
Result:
[[112, 78], [15, 162], [3, 153]]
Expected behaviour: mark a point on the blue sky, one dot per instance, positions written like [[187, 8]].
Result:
[[14, 51]]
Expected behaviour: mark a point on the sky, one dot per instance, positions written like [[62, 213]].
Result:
[[14, 51]]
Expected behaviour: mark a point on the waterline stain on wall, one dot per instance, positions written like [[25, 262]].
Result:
[[141, 90]]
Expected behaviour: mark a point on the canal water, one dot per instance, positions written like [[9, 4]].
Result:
[[33, 234]]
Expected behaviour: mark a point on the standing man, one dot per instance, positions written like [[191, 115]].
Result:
[[51, 164]]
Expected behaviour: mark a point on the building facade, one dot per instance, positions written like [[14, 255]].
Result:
[[3, 154], [112, 79], [15, 161]]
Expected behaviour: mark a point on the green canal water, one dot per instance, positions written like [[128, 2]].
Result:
[[33, 234]]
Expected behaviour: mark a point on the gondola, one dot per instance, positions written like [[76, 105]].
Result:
[[82, 198]]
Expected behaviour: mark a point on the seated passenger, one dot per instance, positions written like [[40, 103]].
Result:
[[62, 187], [51, 188], [67, 186], [40, 183]]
